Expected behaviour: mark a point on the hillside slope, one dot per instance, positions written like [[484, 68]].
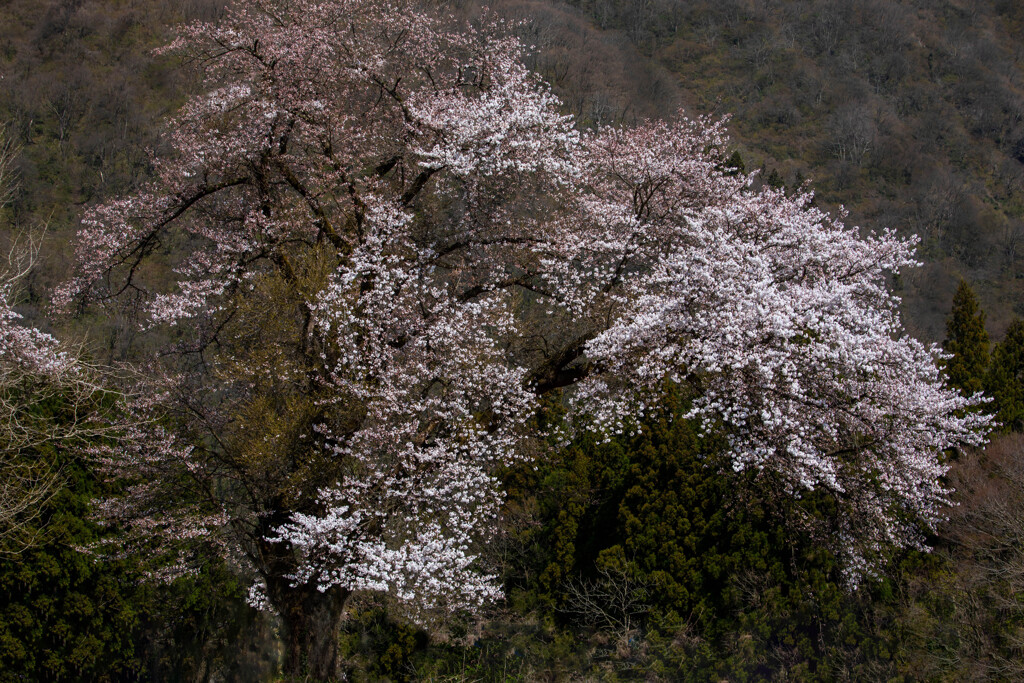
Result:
[[911, 114]]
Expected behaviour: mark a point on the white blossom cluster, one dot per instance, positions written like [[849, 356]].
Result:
[[783, 317], [27, 349]]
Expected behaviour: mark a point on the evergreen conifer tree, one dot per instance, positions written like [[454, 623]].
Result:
[[735, 165], [1005, 380], [967, 341]]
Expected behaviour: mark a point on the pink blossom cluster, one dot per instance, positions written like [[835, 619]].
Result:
[[26, 349]]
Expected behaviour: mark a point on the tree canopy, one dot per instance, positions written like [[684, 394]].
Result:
[[389, 245]]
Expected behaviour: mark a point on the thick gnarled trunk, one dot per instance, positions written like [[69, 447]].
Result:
[[311, 621]]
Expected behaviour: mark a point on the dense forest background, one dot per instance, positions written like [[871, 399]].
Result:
[[635, 560], [909, 114]]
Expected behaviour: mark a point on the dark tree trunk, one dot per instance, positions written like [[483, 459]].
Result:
[[310, 619], [311, 622]]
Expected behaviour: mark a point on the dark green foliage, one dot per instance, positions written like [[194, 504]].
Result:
[[774, 179], [1005, 379], [712, 567], [379, 648], [967, 340], [725, 582], [735, 165], [67, 615], [200, 628], [64, 616]]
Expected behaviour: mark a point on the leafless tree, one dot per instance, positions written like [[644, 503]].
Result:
[[987, 530], [8, 173], [49, 396], [1010, 241], [614, 602], [68, 104], [853, 130]]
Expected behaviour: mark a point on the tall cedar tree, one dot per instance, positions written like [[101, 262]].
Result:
[[1005, 379], [967, 341]]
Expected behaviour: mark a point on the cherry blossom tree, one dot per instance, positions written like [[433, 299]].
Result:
[[387, 244]]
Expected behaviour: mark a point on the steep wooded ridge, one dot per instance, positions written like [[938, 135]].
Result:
[[911, 114], [440, 371]]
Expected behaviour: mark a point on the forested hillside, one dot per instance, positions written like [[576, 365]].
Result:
[[910, 114], [335, 344]]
